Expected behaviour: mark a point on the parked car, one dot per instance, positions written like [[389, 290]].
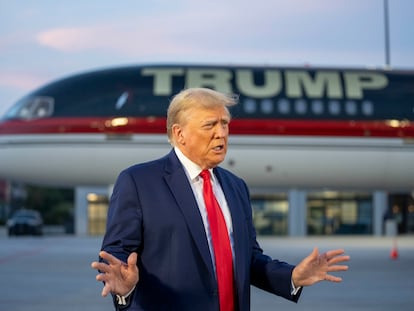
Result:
[[25, 222]]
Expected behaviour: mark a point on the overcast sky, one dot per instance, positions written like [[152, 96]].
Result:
[[43, 40]]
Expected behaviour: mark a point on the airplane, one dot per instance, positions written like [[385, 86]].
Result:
[[294, 127]]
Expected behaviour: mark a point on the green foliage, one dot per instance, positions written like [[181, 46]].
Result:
[[55, 204]]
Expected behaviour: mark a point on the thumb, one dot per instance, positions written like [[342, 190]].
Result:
[[132, 259], [315, 253]]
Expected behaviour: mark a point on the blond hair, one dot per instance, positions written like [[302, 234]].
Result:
[[195, 98]]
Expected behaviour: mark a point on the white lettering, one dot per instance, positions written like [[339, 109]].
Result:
[[295, 83], [300, 84], [162, 85], [271, 86], [218, 79], [357, 82]]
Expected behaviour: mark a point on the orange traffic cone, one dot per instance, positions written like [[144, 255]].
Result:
[[394, 251]]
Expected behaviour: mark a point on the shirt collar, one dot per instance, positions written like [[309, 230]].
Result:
[[193, 170]]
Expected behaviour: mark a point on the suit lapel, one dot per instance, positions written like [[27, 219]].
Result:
[[177, 181]]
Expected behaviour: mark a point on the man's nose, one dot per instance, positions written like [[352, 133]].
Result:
[[221, 130]]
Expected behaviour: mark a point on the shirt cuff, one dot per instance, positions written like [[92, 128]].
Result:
[[295, 289], [121, 300]]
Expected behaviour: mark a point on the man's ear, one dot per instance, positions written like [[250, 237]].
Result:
[[178, 134]]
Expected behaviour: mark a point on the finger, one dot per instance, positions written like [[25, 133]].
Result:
[[332, 278], [338, 268], [94, 265], [335, 252], [101, 266], [132, 259], [101, 277], [314, 254], [339, 259], [109, 258], [106, 290], [107, 284]]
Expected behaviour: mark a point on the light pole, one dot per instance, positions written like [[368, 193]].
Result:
[[386, 35]]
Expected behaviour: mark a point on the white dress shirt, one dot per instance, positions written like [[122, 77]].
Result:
[[193, 171]]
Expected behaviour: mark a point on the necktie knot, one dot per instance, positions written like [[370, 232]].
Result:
[[205, 174]]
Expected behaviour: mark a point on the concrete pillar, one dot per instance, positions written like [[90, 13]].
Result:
[[297, 213], [379, 207]]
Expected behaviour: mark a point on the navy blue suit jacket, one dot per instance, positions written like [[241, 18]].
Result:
[[153, 212]]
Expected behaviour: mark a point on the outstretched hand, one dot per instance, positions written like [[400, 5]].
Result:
[[118, 277], [316, 267]]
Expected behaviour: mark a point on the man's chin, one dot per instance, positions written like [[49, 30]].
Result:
[[217, 160]]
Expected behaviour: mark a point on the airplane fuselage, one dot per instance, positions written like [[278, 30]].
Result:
[[293, 127]]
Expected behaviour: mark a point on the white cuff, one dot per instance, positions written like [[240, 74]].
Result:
[[121, 300], [295, 289]]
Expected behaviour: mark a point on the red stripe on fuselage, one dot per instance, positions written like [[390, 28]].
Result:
[[151, 125]]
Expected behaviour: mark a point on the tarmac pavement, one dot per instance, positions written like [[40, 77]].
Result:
[[53, 273]]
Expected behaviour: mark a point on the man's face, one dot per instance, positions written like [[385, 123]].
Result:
[[203, 135]]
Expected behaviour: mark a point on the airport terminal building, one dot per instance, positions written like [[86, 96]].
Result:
[[292, 213]]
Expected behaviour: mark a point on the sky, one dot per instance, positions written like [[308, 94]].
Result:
[[44, 40]]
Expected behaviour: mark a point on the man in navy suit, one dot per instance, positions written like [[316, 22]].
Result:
[[158, 251]]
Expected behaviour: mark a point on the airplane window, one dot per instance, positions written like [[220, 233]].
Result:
[[317, 107], [350, 107], [121, 100], [267, 106], [23, 112], [367, 108], [249, 106], [300, 106], [283, 106], [31, 108], [43, 107], [334, 107]]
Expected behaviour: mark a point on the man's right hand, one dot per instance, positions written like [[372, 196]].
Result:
[[119, 277]]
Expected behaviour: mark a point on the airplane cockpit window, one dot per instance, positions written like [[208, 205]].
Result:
[[31, 108]]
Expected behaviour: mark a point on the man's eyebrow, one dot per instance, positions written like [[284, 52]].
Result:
[[211, 121]]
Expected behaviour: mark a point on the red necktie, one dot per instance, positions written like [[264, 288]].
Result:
[[221, 245]]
